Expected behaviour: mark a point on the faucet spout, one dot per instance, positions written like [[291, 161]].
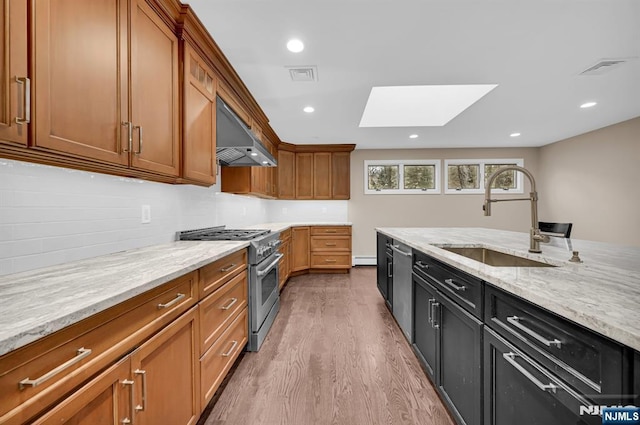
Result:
[[534, 234]]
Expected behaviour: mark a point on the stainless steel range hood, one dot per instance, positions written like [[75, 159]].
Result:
[[236, 145]]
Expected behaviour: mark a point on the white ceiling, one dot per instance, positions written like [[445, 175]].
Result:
[[533, 49]]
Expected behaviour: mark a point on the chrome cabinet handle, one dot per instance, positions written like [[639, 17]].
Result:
[[129, 126], [422, 265], [139, 128], [330, 244], [226, 269], [80, 354], [329, 260], [178, 297], [451, 283], [331, 231], [429, 308], [26, 100], [143, 373], [231, 303], [433, 314], [511, 359], [270, 266], [131, 402], [231, 350], [515, 321], [389, 269], [397, 249]]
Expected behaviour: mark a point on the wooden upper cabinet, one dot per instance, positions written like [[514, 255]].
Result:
[[14, 94], [154, 92], [322, 175], [199, 129], [80, 78], [286, 174], [340, 175], [304, 175]]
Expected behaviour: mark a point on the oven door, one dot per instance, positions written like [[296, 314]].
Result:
[[263, 289]]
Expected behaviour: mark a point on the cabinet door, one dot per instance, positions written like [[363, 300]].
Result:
[[13, 71], [199, 141], [513, 393], [154, 92], [300, 256], [460, 365], [106, 400], [304, 175], [340, 175], [166, 374], [286, 175], [425, 326], [80, 70], [322, 175]]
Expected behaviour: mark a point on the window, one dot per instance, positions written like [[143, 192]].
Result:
[[401, 177], [472, 175]]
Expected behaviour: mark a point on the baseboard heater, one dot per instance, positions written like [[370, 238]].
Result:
[[363, 260]]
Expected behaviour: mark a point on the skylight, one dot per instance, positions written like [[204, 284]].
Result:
[[420, 106]]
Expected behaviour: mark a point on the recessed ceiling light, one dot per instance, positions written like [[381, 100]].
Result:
[[308, 109], [420, 106], [254, 154], [413, 136], [295, 45], [588, 105], [514, 134]]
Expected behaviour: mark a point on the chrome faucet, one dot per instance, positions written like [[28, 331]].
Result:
[[534, 234]]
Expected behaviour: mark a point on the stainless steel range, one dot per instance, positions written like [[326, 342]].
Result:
[[264, 296]]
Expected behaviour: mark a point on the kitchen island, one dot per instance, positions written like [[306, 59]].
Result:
[[507, 336]]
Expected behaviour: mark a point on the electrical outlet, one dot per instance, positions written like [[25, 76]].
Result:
[[146, 214]]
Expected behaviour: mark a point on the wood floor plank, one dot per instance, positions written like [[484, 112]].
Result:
[[334, 356]]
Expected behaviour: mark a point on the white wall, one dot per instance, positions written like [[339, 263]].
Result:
[[51, 215]]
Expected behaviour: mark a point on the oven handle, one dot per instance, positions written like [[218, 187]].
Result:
[[270, 266]]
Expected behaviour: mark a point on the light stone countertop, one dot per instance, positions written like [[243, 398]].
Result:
[[37, 303], [280, 227], [602, 293]]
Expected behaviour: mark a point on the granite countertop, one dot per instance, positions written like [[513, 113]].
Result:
[[602, 293], [39, 302]]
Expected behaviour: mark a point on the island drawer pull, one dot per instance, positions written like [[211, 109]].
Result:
[[451, 283], [81, 354], [515, 321], [433, 314], [226, 269], [178, 297], [422, 265], [232, 301], [231, 350], [511, 359]]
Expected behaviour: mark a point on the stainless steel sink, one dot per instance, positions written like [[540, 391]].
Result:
[[496, 258]]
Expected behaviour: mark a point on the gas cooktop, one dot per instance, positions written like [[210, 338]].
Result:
[[219, 233]]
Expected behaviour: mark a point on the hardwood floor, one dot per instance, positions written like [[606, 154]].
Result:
[[334, 356]]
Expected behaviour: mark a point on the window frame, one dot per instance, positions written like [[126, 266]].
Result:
[[401, 163], [482, 162]]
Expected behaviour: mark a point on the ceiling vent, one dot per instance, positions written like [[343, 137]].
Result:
[[303, 73], [605, 65]]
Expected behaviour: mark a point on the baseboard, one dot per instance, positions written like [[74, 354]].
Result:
[[363, 260]]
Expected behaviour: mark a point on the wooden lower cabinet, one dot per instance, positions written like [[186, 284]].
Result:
[[166, 375], [285, 260], [107, 400], [300, 258]]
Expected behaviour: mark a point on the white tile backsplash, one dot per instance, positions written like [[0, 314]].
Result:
[[51, 215]]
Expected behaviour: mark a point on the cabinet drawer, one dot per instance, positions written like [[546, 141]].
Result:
[[61, 361], [330, 261], [214, 275], [589, 362], [217, 361], [331, 243], [331, 230], [464, 289], [219, 308]]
